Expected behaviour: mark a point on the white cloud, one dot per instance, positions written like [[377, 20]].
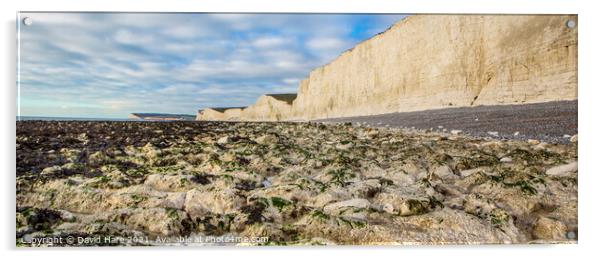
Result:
[[128, 37], [291, 81], [188, 31], [270, 42], [326, 43], [117, 63]]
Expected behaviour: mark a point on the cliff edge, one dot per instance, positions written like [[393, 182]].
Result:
[[436, 61]]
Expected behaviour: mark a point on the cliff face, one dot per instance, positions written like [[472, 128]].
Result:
[[434, 61], [437, 61], [270, 107], [233, 114], [220, 114], [209, 114]]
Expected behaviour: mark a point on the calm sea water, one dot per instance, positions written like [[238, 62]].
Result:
[[30, 118]]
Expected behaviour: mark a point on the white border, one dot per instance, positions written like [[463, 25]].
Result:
[[590, 132]]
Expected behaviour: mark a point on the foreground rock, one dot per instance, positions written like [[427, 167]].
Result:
[[289, 183]]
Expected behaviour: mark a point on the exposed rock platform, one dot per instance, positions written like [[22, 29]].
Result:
[[295, 183]]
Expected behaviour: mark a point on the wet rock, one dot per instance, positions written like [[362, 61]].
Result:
[[402, 206], [506, 159], [353, 203], [98, 158], [331, 196], [549, 229], [223, 140], [67, 216], [477, 205], [70, 154], [174, 200], [469, 172], [493, 133], [444, 172], [52, 171], [372, 133], [73, 167], [541, 146], [533, 141], [158, 221], [199, 203], [266, 139], [336, 183], [563, 170], [83, 137], [266, 183], [38, 219], [412, 207], [151, 151], [367, 188], [346, 145], [449, 190]]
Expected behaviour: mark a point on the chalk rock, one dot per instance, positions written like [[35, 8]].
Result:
[[50, 171], [402, 206], [266, 139], [223, 140], [355, 203], [198, 203], [537, 55], [533, 141], [506, 160], [444, 172], [549, 229], [563, 170]]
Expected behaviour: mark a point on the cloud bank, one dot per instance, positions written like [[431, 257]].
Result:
[[112, 64]]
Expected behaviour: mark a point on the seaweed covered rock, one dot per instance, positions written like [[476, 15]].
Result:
[[293, 183]]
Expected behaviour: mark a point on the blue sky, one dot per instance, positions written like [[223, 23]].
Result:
[[112, 64]]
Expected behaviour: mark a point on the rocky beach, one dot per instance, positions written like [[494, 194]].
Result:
[[287, 183], [553, 122], [309, 129]]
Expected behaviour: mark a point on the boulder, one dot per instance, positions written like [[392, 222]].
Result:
[[199, 203], [354, 203], [549, 229], [563, 170], [223, 140]]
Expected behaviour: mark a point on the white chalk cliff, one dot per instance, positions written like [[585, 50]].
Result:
[[437, 61], [270, 107], [220, 114]]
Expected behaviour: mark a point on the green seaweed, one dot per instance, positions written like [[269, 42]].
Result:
[[498, 217], [525, 187], [417, 207], [172, 213], [318, 214], [434, 202], [280, 203], [340, 176]]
